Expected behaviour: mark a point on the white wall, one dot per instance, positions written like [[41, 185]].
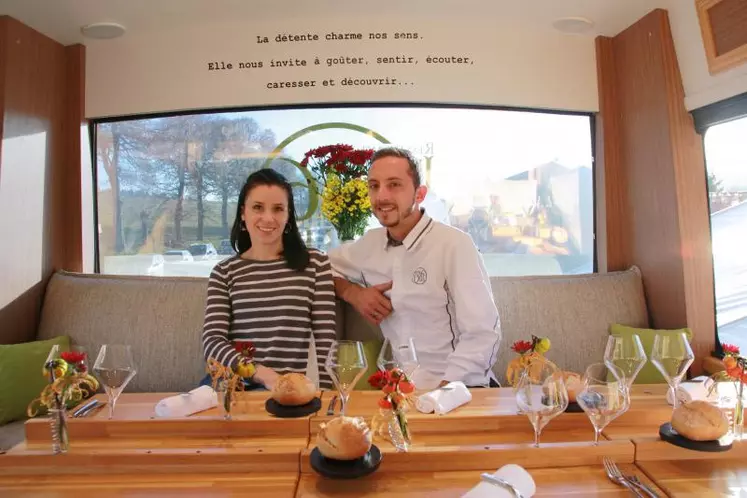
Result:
[[700, 87], [509, 65]]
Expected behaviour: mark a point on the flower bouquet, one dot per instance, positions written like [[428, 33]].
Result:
[[391, 421], [340, 171], [69, 382], [528, 352], [736, 372], [226, 381]]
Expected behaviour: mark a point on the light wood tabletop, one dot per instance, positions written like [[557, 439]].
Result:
[[585, 481], [703, 478]]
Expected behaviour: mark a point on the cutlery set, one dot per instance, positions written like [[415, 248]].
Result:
[[631, 482]]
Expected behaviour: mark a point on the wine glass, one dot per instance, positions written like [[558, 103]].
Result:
[[604, 396], [115, 369], [672, 356], [398, 354], [345, 363], [625, 353], [541, 394]]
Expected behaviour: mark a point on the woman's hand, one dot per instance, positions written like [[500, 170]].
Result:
[[265, 376]]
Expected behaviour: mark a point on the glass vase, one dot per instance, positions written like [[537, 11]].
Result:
[[399, 432], [58, 424], [225, 399], [738, 420]]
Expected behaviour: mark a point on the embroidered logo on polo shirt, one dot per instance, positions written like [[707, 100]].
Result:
[[419, 276]]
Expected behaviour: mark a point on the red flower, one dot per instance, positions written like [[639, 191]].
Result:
[[246, 348], [730, 348], [385, 403], [406, 387], [379, 379], [521, 347], [73, 357]]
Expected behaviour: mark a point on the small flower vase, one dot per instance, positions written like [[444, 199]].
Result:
[[58, 423], [399, 432], [738, 421], [225, 399]]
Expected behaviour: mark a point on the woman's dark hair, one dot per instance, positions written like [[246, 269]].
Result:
[[294, 250]]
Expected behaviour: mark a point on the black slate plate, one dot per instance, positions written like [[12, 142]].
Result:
[[346, 469], [668, 434], [574, 407], [283, 411]]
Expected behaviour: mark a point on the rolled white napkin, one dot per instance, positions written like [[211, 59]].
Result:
[[185, 404], [511, 473], [444, 399], [693, 391]]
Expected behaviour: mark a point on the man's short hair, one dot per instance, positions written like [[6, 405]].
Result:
[[404, 154]]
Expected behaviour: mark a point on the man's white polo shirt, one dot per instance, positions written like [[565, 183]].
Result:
[[441, 297]]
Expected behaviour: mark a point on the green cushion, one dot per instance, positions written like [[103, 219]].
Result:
[[371, 349], [21, 376], [649, 374]]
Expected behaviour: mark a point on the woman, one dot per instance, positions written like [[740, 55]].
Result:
[[274, 292]]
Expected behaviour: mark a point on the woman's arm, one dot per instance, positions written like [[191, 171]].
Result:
[[218, 316], [323, 315]]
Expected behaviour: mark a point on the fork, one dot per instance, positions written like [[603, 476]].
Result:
[[614, 475], [632, 479]]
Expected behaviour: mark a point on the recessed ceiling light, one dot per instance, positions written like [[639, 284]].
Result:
[[573, 25], [103, 30]]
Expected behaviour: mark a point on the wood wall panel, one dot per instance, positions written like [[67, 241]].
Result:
[[41, 91], [655, 176], [723, 29]]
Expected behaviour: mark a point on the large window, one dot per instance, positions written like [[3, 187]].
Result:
[[520, 183], [726, 160]]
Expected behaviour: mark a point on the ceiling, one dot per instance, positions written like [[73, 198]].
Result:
[[62, 19]]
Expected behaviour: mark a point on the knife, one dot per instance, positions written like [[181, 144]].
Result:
[[83, 410], [331, 407]]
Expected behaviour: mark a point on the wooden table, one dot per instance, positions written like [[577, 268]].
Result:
[[568, 482], [702, 478], [203, 455]]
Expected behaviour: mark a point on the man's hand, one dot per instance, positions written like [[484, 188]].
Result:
[[371, 302], [265, 376]]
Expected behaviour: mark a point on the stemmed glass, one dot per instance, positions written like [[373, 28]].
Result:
[[398, 354], [115, 369], [541, 394], [625, 353], [672, 355], [604, 396], [345, 363]]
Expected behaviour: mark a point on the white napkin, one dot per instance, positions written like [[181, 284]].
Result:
[[445, 399], [186, 404], [513, 474], [693, 391]]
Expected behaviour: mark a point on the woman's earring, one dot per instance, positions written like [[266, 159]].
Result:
[[243, 226], [287, 229]]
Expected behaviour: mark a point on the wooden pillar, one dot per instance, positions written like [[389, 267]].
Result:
[[655, 179], [41, 101]]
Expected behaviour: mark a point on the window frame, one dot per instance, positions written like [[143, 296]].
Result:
[[704, 117], [94, 122]]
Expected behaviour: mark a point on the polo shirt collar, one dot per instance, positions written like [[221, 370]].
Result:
[[415, 235]]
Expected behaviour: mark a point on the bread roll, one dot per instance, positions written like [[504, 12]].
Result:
[[344, 438], [293, 389], [573, 384], [699, 421]]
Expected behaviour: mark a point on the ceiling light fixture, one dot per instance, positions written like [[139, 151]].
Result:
[[574, 25], [103, 30]]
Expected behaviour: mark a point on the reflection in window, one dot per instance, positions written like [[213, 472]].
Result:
[[726, 161], [520, 183]]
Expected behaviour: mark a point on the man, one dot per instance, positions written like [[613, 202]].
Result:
[[416, 277]]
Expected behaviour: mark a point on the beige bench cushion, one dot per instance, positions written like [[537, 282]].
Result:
[[574, 311], [159, 317]]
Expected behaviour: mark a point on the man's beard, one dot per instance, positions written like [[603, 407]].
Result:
[[396, 216]]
